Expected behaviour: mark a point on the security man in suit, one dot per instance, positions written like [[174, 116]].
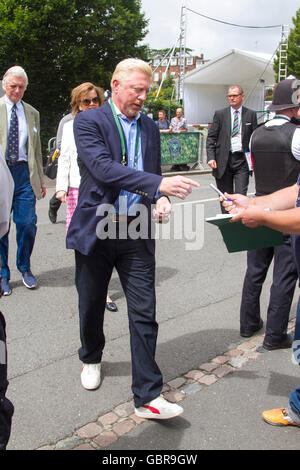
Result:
[[228, 141], [20, 141], [120, 166]]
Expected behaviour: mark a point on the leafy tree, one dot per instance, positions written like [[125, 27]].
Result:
[[293, 50], [168, 88], [165, 100], [62, 43], [169, 106], [294, 47]]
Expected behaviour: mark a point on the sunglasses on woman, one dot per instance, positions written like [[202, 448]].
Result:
[[94, 100]]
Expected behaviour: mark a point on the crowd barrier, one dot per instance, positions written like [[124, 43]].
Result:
[[176, 148], [183, 148]]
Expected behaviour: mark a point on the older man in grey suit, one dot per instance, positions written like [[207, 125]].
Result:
[[20, 141]]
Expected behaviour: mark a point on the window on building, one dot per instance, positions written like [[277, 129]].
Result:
[[156, 76], [189, 61], [173, 61]]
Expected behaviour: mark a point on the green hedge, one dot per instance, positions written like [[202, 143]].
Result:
[[170, 107]]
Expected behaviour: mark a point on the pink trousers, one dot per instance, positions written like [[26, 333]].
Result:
[[71, 205]]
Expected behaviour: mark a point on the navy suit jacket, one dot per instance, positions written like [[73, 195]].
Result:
[[103, 176], [218, 141]]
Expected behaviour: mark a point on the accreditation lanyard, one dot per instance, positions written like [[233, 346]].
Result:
[[121, 133]]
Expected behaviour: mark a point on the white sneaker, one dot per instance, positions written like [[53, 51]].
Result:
[[91, 376], [159, 408]]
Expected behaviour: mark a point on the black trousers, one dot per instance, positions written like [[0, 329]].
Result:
[[136, 269], [6, 407], [281, 292], [236, 176]]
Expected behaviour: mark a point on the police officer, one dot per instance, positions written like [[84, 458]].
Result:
[[275, 149]]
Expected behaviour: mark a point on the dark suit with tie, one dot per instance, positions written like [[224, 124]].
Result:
[[102, 178], [232, 172]]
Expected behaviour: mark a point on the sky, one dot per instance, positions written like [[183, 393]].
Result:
[[212, 38]]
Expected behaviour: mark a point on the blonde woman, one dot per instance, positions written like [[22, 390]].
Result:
[[85, 96]]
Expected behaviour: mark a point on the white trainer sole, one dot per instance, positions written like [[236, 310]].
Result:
[[149, 415]]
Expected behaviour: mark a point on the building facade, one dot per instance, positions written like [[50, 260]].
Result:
[[159, 65]]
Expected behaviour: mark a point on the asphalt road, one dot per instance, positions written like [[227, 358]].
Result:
[[198, 296]]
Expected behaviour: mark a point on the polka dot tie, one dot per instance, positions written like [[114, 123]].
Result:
[[13, 137]]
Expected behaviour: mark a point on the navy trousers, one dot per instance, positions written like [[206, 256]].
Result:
[[281, 294], [136, 269], [24, 216], [6, 407]]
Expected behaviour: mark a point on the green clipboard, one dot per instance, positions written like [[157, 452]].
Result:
[[238, 237]]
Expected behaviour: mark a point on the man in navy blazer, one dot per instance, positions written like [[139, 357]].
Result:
[[113, 175], [227, 143]]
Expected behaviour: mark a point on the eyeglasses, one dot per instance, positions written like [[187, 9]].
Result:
[[233, 96], [94, 100]]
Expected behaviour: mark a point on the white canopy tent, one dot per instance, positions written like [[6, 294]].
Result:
[[205, 88]]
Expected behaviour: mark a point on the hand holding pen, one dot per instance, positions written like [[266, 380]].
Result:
[[233, 203]]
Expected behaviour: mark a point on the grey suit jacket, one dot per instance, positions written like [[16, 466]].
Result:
[[35, 163], [219, 136]]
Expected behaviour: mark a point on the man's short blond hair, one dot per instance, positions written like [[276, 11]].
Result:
[[126, 66]]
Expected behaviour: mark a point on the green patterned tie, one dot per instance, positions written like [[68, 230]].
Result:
[[235, 127]]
